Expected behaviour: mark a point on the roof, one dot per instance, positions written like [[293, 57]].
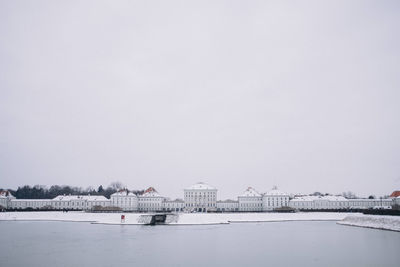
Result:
[[79, 197], [6, 193], [305, 198], [201, 186], [313, 198], [334, 198], [123, 193], [250, 192], [150, 192], [275, 192], [367, 199], [395, 194]]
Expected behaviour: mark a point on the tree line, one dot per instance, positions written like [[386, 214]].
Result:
[[44, 192]]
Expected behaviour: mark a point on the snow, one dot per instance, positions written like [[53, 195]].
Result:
[[218, 218], [276, 192], [79, 197], [71, 216], [250, 192], [6, 194], [123, 193], [201, 186], [373, 221], [312, 198], [182, 218], [150, 192]]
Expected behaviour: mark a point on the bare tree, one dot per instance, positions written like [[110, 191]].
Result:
[[117, 185], [349, 194]]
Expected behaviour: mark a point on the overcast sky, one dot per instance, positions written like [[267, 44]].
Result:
[[304, 95]]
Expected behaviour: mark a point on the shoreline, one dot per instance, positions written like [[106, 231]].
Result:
[[379, 222], [390, 223], [181, 218], [369, 227]]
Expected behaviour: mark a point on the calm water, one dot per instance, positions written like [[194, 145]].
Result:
[[249, 244]]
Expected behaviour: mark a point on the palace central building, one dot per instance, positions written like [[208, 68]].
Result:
[[200, 197]]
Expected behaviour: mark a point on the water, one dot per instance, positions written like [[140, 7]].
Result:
[[248, 244]]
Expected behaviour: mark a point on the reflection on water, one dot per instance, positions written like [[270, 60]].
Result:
[[258, 244]]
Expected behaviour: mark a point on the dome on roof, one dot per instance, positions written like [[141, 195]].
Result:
[[250, 192], [201, 186], [275, 192]]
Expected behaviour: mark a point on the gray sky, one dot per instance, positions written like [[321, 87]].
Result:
[[304, 95]]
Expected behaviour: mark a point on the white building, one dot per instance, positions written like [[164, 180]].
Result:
[[3, 202], [77, 202], [173, 205], [319, 202], [31, 204], [302, 202], [200, 197], [275, 199], [396, 201], [369, 203], [337, 203], [5, 199], [69, 202], [151, 200], [125, 200], [227, 205], [250, 200]]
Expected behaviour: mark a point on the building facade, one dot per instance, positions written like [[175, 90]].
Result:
[[5, 199], [176, 205], [250, 200], [151, 200], [396, 201], [337, 203], [319, 202], [67, 202], [227, 205], [275, 199], [125, 200], [370, 203], [200, 197]]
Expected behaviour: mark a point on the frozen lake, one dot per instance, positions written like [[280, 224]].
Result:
[[239, 244]]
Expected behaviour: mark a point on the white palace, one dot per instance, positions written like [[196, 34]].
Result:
[[199, 197]]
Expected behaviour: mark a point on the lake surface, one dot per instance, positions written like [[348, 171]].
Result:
[[245, 244]]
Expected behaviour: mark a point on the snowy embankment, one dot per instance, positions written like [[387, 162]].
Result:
[[373, 221], [215, 218], [71, 216], [181, 218]]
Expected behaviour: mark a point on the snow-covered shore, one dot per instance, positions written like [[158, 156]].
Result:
[[373, 221], [182, 218]]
